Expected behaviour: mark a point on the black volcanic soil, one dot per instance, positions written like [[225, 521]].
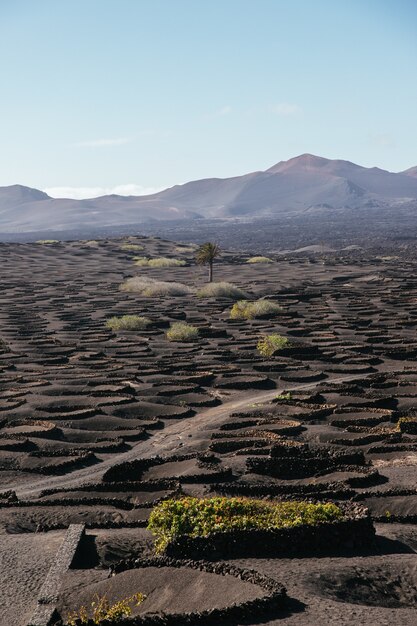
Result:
[[77, 399]]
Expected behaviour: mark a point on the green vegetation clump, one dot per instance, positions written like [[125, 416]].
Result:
[[221, 290], [181, 331], [102, 611], [246, 310], [128, 322], [46, 242], [131, 247], [153, 288], [269, 344], [159, 262], [200, 517], [282, 397], [259, 259]]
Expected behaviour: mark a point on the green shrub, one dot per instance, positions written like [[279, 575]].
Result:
[[46, 242], [269, 344], [181, 331], [159, 262], [131, 247], [246, 310], [152, 288], [128, 322], [221, 290], [102, 611], [259, 259], [200, 517], [282, 397]]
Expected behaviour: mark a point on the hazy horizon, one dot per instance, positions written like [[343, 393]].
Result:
[[85, 193], [134, 97]]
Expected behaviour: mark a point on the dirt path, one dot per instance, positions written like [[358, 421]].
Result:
[[180, 436]]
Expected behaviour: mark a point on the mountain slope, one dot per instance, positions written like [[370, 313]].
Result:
[[412, 171], [304, 184]]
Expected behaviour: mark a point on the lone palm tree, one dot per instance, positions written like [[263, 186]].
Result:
[[206, 254]]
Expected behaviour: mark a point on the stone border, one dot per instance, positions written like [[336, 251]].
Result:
[[302, 463], [274, 599], [332, 490], [49, 592], [124, 471], [355, 531]]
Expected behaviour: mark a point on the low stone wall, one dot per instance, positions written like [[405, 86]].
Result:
[[395, 491], [48, 595], [368, 439], [356, 531], [107, 524], [129, 485], [273, 600], [395, 447], [303, 463], [131, 470], [333, 490]]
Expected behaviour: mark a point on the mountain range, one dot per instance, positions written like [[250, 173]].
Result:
[[306, 183]]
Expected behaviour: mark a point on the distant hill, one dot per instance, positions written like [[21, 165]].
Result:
[[411, 172], [305, 184]]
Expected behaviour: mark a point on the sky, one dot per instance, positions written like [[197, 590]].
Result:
[[132, 96]]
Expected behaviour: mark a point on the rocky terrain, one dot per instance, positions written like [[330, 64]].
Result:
[[98, 426]]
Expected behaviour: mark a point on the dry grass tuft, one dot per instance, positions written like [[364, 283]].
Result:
[[159, 262], [128, 322], [259, 259], [181, 331], [221, 290], [246, 310], [131, 247], [153, 288]]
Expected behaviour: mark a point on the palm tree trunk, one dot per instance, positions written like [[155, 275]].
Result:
[[211, 272]]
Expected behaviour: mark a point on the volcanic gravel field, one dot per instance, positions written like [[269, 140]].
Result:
[[204, 418]]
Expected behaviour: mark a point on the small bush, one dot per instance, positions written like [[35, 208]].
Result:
[[269, 344], [282, 397], [159, 262], [128, 322], [181, 331], [153, 288], [46, 242], [221, 290], [200, 517], [131, 247], [101, 610], [259, 259], [185, 249], [245, 310]]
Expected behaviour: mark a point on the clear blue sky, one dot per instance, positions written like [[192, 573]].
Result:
[[105, 94]]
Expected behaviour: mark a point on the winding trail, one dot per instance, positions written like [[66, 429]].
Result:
[[181, 436]]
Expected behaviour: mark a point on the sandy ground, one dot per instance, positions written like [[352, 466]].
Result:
[[24, 563], [77, 399], [305, 582]]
